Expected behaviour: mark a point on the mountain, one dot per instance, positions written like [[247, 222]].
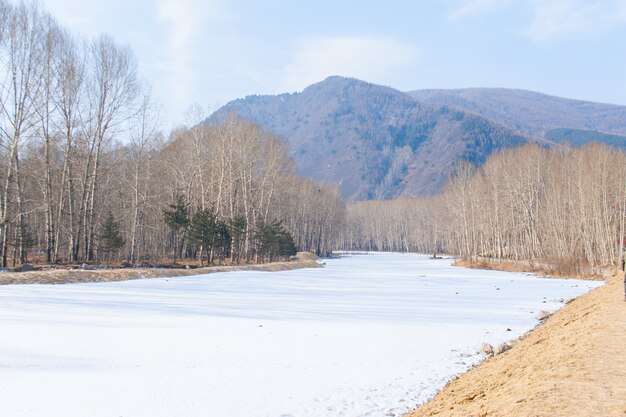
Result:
[[373, 141], [554, 118], [578, 137]]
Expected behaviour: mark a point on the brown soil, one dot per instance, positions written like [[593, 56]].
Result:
[[65, 276], [574, 364]]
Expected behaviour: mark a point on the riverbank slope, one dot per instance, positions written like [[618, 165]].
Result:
[[66, 276], [574, 364]]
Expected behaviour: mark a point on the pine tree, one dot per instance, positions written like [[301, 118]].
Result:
[[177, 218], [237, 230], [24, 240], [210, 233], [286, 244], [203, 231], [223, 238], [110, 238], [272, 240]]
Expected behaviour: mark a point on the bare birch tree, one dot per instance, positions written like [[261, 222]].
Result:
[[22, 50]]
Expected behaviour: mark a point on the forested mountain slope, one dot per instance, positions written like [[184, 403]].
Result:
[[373, 141], [555, 118]]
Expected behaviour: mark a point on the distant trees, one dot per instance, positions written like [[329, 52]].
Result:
[[562, 206], [314, 213], [401, 225]]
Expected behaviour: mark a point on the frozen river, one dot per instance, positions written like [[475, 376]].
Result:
[[367, 335]]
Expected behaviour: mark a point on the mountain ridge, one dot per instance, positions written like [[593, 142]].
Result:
[[529, 111], [375, 142]]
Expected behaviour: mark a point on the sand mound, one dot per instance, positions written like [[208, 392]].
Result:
[[306, 256], [574, 364]]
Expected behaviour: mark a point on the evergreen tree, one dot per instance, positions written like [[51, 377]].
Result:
[[203, 231], [110, 238], [177, 218], [223, 238], [210, 233], [286, 244], [237, 230], [24, 241], [273, 241]]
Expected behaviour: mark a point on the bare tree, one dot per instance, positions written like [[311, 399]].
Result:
[[70, 81], [143, 139], [19, 94], [112, 89]]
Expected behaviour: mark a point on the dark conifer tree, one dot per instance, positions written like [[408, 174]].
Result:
[[203, 232], [273, 241], [223, 239], [177, 218], [24, 241], [237, 230], [110, 238]]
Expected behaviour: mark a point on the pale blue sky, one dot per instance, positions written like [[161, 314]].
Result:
[[212, 51]]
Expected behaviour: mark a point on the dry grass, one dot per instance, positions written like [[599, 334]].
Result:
[[551, 269], [573, 365], [65, 276]]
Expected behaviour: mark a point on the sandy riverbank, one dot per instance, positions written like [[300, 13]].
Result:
[[66, 276], [574, 364]]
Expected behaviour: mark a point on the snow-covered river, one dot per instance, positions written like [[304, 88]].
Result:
[[367, 335]]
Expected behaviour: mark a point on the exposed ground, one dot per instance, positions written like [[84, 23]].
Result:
[[65, 276], [574, 364]]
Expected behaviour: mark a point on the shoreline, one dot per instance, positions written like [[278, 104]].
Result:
[[74, 276], [568, 365]]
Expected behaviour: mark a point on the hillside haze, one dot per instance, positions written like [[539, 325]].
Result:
[[373, 141]]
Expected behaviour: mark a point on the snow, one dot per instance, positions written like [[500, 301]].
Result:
[[367, 335]]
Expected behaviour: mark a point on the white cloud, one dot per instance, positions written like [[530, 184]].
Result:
[[378, 60], [558, 18]]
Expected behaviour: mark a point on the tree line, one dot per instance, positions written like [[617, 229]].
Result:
[[562, 206], [86, 175]]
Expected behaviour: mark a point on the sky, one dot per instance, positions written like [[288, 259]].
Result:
[[209, 52]]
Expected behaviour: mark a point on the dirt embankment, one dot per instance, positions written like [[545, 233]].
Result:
[[65, 276], [573, 365]]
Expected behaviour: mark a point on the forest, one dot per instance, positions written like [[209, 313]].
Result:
[[86, 174], [561, 206]]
